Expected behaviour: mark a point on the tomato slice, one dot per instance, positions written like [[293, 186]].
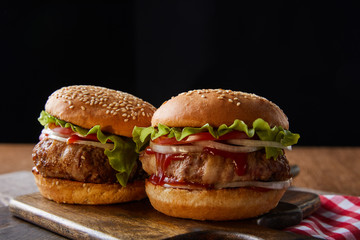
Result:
[[202, 136], [73, 136], [233, 135], [61, 130]]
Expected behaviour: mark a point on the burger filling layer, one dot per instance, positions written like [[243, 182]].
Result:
[[78, 162], [212, 168], [223, 157]]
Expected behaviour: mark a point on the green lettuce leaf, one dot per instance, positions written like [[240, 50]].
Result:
[[261, 128], [122, 157]]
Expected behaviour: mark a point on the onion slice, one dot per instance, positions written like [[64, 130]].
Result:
[[267, 185], [51, 132], [257, 143], [61, 138], [198, 147], [165, 149], [226, 147]]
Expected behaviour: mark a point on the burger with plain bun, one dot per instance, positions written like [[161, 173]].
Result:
[[86, 154], [216, 154]]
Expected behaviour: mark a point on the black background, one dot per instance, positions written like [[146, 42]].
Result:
[[302, 56]]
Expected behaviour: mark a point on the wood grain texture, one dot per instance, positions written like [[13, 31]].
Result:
[[15, 228], [135, 220], [330, 169], [15, 157]]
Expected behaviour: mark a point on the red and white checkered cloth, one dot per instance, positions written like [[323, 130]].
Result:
[[337, 218]]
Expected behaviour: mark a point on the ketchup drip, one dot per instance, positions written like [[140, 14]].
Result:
[[239, 159], [163, 161], [156, 180]]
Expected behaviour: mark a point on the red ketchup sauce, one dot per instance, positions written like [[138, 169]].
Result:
[[164, 160], [239, 159]]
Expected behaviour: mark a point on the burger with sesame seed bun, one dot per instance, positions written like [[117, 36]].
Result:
[[216, 154], [86, 154]]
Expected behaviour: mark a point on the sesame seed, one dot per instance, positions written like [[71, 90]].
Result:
[[125, 120], [230, 100], [238, 104], [203, 96], [111, 101]]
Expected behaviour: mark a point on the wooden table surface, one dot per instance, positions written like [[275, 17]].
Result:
[[328, 169]]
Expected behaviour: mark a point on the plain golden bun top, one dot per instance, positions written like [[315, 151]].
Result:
[[216, 107], [86, 106]]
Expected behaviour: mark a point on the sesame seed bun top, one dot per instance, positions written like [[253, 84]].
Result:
[[86, 106], [216, 107]]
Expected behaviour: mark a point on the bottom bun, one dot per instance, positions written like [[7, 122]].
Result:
[[67, 191], [215, 204]]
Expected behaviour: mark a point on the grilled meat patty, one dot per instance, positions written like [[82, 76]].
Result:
[[76, 162], [206, 168]]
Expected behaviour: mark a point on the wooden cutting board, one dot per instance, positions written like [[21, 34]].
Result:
[[138, 220]]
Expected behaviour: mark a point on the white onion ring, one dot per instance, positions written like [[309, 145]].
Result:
[[268, 185], [226, 147], [198, 147], [257, 143], [51, 132], [60, 137], [174, 148]]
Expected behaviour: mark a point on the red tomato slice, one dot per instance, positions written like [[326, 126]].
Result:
[[202, 136], [73, 136], [163, 140], [61, 130], [233, 135], [91, 137]]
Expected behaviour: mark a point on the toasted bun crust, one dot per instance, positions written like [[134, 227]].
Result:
[[217, 106], [66, 191], [86, 106], [222, 204]]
